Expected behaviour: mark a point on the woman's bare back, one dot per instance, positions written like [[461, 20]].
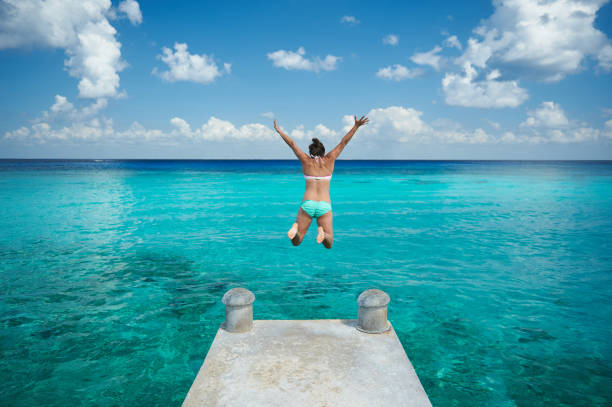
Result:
[[317, 189]]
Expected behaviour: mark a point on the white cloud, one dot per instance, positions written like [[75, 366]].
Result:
[[42, 132], [323, 132], [508, 137], [549, 123], [452, 42], [102, 130], [351, 20], [605, 57], [268, 115], [131, 8], [295, 60], [63, 122], [61, 106], [608, 129], [580, 134], [464, 90], [401, 123], [430, 58], [544, 40], [398, 72], [79, 27], [138, 132], [181, 126], [63, 110], [391, 39], [406, 125], [216, 129], [549, 114], [189, 67], [347, 123], [493, 124], [320, 131], [478, 136]]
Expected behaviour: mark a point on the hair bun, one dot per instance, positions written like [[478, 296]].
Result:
[[317, 148]]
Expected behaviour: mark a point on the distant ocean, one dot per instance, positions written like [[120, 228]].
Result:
[[112, 272]]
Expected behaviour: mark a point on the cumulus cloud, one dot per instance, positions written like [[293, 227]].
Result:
[[351, 20], [398, 72], [79, 27], [131, 9], [61, 107], [452, 132], [452, 42], [404, 124], [213, 130], [608, 129], [493, 124], [91, 130], [549, 123], [296, 60], [97, 130], [463, 89], [63, 122], [523, 39], [430, 58], [391, 39], [63, 110], [542, 40], [605, 57], [268, 115], [181, 126], [407, 125], [320, 131], [549, 114], [216, 129], [189, 67]]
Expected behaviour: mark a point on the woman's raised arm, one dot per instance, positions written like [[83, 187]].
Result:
[[338, 149], [296, 150]]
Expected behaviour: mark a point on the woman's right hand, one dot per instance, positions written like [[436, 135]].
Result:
[[276, 127]]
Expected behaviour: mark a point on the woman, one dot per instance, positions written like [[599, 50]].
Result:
[[317, 169]]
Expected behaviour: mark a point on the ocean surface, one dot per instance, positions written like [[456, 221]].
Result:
[[112, 273]]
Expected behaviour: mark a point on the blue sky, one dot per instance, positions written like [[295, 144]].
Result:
[[178, 79]]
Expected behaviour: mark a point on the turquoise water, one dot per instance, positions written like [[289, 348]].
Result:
[[111, 273]]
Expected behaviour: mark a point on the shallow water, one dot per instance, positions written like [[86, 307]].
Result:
[[111, 272]]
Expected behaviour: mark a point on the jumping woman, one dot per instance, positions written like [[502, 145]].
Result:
[[318, 169]]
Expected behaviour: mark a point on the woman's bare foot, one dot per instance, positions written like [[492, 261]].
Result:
[[293, 231], [320, 235]]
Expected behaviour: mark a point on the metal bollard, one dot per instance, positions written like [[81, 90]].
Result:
[[238, 310], [373, 311]]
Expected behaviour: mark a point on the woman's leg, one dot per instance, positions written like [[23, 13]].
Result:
[[326, 230], [299, 228]]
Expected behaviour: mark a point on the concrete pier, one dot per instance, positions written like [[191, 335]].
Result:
[[309, 363]]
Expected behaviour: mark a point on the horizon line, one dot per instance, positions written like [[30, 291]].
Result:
[[295, 159]]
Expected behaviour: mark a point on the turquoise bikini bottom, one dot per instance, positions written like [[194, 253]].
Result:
[[314, 209]]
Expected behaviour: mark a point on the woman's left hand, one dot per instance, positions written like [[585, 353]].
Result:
[[361, 121]]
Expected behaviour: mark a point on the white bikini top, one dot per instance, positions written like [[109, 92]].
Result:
[[316, 178]]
